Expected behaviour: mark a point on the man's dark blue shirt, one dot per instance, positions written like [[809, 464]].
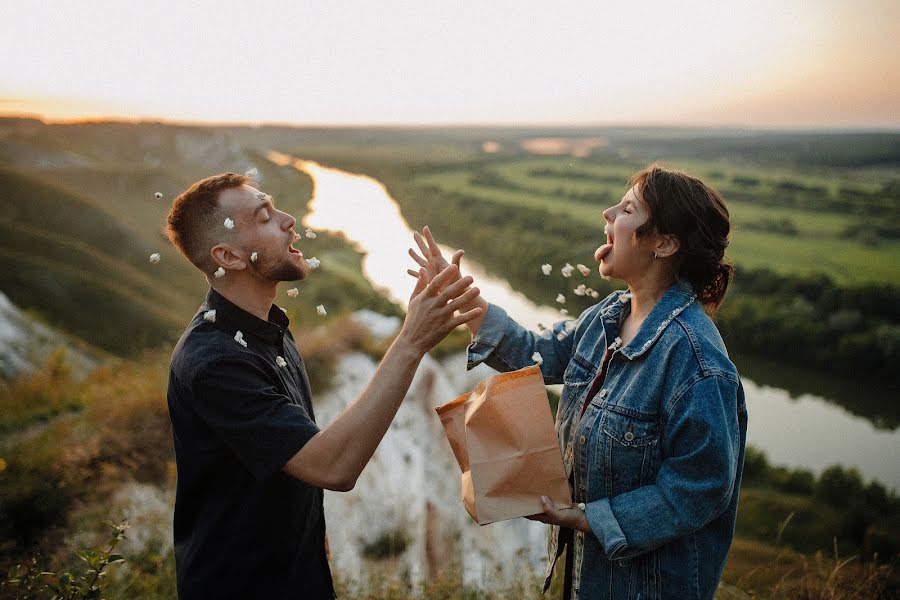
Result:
[[243, 528]]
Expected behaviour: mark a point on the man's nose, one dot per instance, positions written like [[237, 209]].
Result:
[[289, 222]]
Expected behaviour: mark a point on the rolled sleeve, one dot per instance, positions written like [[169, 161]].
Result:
[[243, 405], [603, 523], [489, 335]]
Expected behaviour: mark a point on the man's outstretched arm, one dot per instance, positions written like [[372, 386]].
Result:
[[334, 457]]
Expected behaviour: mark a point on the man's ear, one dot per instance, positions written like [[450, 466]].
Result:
[[225, 256], [666, 246]]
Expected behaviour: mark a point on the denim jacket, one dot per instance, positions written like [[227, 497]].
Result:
[[656, 455]]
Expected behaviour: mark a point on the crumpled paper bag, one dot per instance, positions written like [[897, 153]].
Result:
[[503, 438]]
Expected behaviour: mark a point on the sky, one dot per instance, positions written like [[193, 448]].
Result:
[[758, 64]]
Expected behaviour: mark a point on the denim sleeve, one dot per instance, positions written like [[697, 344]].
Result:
[[505, 345], [700, 453]]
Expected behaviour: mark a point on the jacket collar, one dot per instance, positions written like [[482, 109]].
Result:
[[271, 331], [676, 299]]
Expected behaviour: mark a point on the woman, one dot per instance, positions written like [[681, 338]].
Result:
[[651, 421]]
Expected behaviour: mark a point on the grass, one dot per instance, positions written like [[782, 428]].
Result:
[[818, 246]]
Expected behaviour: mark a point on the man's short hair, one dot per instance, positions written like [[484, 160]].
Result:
[[194, 215]]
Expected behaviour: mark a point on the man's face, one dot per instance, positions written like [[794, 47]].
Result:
[[260, 227]]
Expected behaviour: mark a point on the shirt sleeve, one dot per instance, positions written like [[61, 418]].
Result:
[[696, 480], [244, 406]]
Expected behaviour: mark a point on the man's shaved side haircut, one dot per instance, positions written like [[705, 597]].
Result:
[[194, 215]]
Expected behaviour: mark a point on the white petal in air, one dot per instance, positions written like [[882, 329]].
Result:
[[560, 298], [280, 361], [239, 338], [154, 258], [292, 293], [547, 268], [310, 234], [567, 270], [584, 270], [580, 290], [313, 262], [321, 310], [220, 272], [229, 224], [210, 316], [537, 358]]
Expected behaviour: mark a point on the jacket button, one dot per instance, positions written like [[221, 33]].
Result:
[[629, 436], [602, 393], [623, 563], [582, 440]]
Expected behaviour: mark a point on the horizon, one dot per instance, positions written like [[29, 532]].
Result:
[[583, 64]]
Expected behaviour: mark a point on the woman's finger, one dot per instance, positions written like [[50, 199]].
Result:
[[412, 272], [432, 244], [457, 256], [421, 261], [420, 242]]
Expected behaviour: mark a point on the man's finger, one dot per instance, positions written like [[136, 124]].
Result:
[[421, 283], [466, 297], [463, 318], [456, 288], [441, 279]]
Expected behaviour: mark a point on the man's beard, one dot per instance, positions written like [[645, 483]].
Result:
[[283, 270]]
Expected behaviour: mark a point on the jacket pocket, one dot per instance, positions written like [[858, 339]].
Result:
[[630, 448]]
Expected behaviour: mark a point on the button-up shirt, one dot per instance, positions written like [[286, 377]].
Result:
[[239, 402]]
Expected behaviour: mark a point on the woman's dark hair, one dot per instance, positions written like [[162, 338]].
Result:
[[696, 214]]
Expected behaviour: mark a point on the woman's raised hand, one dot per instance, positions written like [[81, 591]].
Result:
[[431, 259]]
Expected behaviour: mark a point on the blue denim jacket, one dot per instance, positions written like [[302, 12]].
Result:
[[658, 452]]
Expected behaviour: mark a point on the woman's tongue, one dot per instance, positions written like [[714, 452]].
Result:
[[602, 252]]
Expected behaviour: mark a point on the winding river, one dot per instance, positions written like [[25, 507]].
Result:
[[793, 429]]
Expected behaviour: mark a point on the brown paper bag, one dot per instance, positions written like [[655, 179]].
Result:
[[503, 438]]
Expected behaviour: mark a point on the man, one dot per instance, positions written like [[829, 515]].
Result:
[[252, 463]]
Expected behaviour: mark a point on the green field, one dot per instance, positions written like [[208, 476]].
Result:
[[819, 244]]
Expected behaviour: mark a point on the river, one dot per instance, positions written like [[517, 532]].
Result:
[[794, 428]]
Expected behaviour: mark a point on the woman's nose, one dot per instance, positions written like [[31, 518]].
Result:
[[607, 214]]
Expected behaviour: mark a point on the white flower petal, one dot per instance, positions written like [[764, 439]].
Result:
[[210, 316], [154, 258], [321, 310], [229, 224], [547, 268], [220, 272], [537, 358], [292, 293], [239, 338], [280, 361], [310, 234], [313, 262]]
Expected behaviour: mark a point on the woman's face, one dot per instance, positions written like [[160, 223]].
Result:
[[625, 254]]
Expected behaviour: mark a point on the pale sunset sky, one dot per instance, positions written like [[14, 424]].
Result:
[[762, 64]]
